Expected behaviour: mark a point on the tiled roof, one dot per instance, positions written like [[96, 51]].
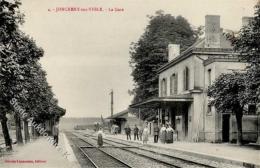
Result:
[[119, 115], [199, 47]]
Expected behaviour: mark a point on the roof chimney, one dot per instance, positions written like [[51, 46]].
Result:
[[173, 51], [212, 31], [246, 20]]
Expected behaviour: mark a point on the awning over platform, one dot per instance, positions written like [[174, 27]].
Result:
[[160, 101]]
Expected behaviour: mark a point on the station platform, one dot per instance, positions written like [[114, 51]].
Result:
[[41, 154], [248, 156]]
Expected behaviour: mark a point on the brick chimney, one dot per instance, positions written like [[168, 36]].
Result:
[[173, 51], [246, 20], [212, 31]]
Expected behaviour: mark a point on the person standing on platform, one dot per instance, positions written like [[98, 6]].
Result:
[[169, 134], [136, 130], [100, 135], [55, 133], [162, 134], [145, 135], [156, 131], [128, 132], [141, 133]]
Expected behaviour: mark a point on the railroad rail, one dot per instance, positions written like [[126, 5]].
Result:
[[98, 157], [156, 156], [169, 156]]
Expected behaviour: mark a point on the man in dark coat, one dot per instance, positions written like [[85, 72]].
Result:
[[156, 131], [128, 132], [55, 132], [136, 130]]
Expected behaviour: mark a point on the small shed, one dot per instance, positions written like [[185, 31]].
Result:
[[124, 118]]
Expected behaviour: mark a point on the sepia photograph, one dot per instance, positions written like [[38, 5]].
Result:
[[130, 83]]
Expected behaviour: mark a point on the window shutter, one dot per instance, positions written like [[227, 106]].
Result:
[[171, 84], [176, 84], [184, 79], [187, 78], [161, 91], [165, 87]]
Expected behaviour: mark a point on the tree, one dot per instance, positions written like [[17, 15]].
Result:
[[22, 79], [150, 52], [10, 18], [229, 95], [247, 44]]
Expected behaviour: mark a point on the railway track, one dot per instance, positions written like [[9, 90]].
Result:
[[176, 161], [163, 159], [98, 157]]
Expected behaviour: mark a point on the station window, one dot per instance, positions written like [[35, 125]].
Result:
[[186, 75], [209, 111], [163, 87], [209, 77], [251, 109], [175, 88], [174, 84]]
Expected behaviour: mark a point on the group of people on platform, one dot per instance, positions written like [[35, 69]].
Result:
[[165, 133], [139, 134]]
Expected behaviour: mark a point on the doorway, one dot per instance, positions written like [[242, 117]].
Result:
[[172, 119], [186, 120], [225, 127]]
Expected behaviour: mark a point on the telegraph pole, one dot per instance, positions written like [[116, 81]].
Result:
[[112, 101]]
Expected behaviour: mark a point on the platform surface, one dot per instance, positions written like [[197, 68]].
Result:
[[41, 154], [221, 151]]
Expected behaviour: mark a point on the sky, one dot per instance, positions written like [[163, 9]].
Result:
[[87, 52]]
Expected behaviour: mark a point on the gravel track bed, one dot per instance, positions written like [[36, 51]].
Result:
[[170, 160], [128, 157], [91, 141], [108, 143], [101, 159], [156, 155], [83, 161], [179, 155], [98, 157], [195, 159], [132, 159], [78, 142], [172, 153]]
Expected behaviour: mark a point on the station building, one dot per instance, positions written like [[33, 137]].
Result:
[[183, 83]]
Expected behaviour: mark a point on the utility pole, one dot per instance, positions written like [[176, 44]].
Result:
[[112, 101]]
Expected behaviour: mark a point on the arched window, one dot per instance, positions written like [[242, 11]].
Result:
[[186, 76], [174, 84], [163, 87]]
